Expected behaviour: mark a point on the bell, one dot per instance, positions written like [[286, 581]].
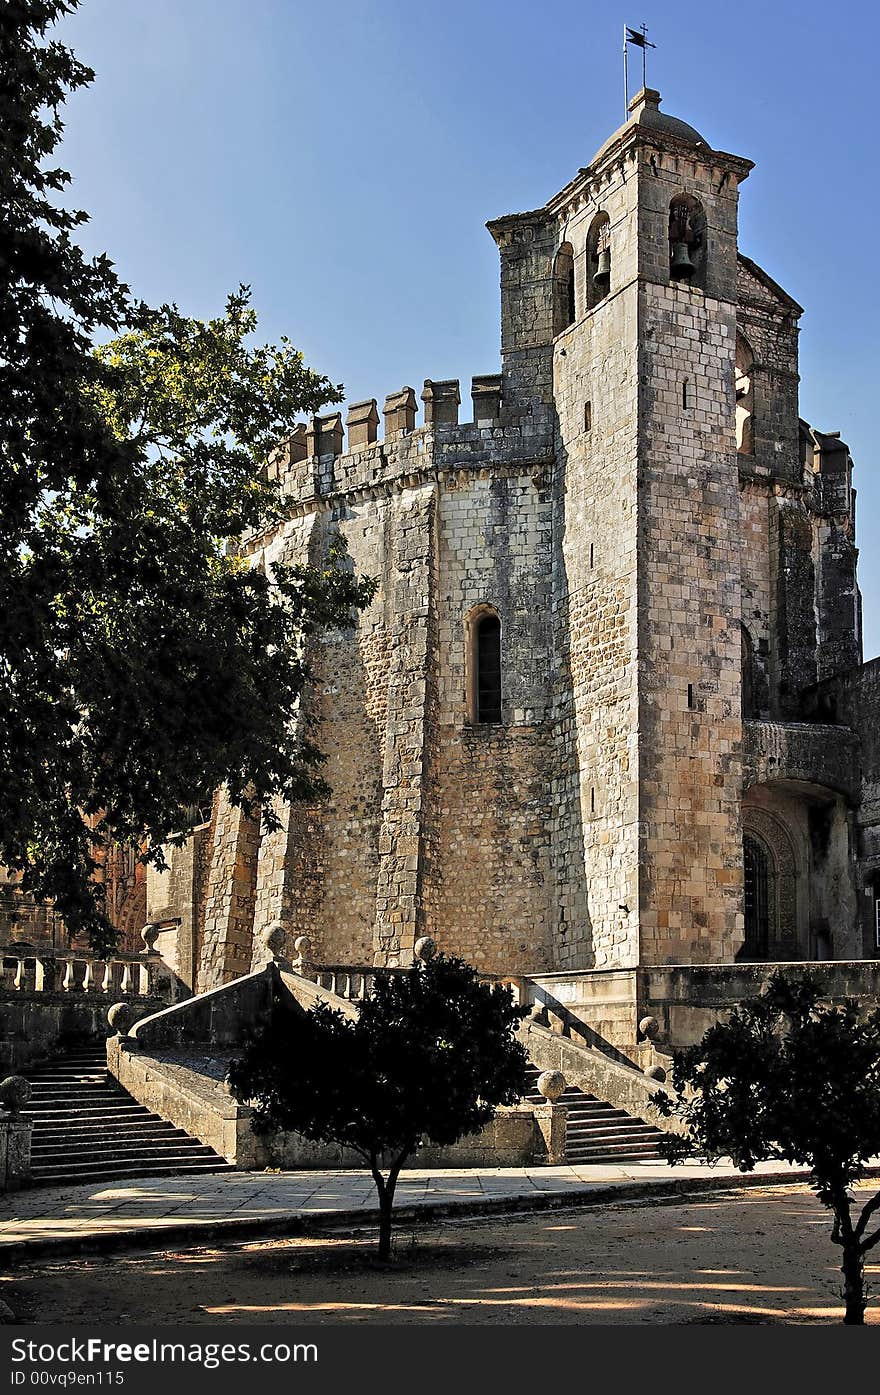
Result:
[[602, 274], [680, 265]]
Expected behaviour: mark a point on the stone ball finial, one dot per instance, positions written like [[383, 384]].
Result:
[[303, 946], [15, 1092], [649, 1027], [551, 1084], [150, 935], [656, 1073], [424, 949], [121, 1017], [273, 937]]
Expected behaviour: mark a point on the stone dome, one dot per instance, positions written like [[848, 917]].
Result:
[[645, 112]]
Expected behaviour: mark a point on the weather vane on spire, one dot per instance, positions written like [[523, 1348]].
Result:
[[639, 37]]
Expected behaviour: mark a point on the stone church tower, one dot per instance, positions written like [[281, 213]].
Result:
[[603, 714]]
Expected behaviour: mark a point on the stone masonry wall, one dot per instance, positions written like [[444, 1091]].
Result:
[[488, 881], [596, 824], [689, 640]]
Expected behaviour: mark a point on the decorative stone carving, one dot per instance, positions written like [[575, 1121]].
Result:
[[649, 1027], [302, 949], [150, 935], [769, 831], [656, 1073], [15, 1092], [424, 949], [551, 1084], [121, 1017]]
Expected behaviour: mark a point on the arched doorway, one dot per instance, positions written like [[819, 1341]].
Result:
[[759, 882], [770, 890]]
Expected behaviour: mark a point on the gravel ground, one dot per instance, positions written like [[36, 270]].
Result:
[[759, 1256]]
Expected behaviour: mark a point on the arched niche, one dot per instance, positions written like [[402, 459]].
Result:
[[687, 241], [564, 301], [598, 260], [745, 397]]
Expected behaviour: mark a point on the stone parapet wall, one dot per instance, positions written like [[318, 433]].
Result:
[[686, 999], [36, 1025]]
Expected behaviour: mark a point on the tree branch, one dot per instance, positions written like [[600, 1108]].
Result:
[[867, 1212], [870, 1242]]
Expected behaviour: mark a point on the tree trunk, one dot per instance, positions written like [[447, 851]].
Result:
[[386, 1201], [853, 1269]]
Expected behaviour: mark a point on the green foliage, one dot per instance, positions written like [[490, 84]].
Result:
[[790, 1078], [429, 1058], [141, 662]]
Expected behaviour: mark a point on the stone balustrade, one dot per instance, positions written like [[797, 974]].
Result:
[[76, 971], [346, 980]]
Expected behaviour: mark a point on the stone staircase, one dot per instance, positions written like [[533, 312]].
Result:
[[88, 1129], [598, 1133]]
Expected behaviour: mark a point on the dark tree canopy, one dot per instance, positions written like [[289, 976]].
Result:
[[790, 1078], [429, 1057], [141, 662]]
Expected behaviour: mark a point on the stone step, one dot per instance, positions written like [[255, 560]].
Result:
[[616, 1152], [640, 1133], [87, 1128], [63, 1088], [596, 1132], [600, 1137], [79, 1116], [152, 1151], [123, 1128], [171, 1167], [72, 1076]]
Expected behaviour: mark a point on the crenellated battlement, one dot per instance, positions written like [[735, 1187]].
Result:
[[316, 461]]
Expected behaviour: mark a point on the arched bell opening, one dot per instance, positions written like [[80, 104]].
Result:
[[745, 397], [687, 241], [598, 260]]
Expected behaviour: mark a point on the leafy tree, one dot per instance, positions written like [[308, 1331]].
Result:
[[142, 661], [429, 1057], [788, 1077]]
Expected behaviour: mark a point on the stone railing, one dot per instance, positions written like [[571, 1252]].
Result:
[[49, 996], [73, 971], [354, 982]]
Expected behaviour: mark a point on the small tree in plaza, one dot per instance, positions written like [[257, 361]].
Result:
[[790, 1078], [429, 1057]]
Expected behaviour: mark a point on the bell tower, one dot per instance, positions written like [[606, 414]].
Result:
[[619, 332]]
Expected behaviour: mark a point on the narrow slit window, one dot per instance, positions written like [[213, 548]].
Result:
[[592, 556], [690, 695], [588, 416], [685, 395], [488, 669]]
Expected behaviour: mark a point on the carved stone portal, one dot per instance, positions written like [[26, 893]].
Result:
[[770, 889]]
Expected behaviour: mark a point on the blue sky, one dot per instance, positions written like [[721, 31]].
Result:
[[343, 159]]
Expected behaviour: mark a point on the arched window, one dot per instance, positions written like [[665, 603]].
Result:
[[687, 240], [563, 289], [757, 866], [598, 250], [484, 666], [745, 397]]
